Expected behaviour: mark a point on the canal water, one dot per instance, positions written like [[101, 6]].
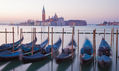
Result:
[[51, 65]]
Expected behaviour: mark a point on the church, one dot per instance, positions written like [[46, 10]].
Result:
[[55, 21]]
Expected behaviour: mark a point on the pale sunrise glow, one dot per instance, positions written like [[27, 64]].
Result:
[[93, 11]]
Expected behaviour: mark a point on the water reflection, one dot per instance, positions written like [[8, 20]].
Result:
[[37, 65], [63, 66], [86, 67], [72, 67], [12, 65], [52, 65], [2, 63], [109, 68]]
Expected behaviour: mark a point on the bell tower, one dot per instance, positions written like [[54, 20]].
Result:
[[43, 14]]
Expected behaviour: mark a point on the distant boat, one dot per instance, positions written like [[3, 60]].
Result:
[[45, 53], [86, 55], [104, 54], [9, 46], [67, 53]]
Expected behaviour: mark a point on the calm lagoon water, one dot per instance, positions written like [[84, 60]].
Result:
[[51, 65]]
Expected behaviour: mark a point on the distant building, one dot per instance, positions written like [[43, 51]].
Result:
[[109, 23], [30, 22], [37, 23], [43, 14], [54, 21], [75, 23]]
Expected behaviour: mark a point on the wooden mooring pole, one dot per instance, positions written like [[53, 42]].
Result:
[[94, 47], [13, 38], [33, 39], [104, 33], [117, 50], [21, 34], [34, 33], [78, 41], [48, 35], [72, 41], [17, 30], [78, 53], [52, 43], [62, 38], [5, 35], [41, 34], [117, 43], [111, 37], [31, 34], [52, 49]]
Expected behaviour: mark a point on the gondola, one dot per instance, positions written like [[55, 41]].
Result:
[[27, 47], [43, 54], [18, 47], [104, 54], [9, 46], [9, 55], [86, 55], [67, 53], [36, 48]]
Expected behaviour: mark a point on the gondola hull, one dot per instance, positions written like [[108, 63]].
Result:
[[41, 56], [66, 58], [28, 47], [86, 55], [104, 61], [104, 54], [36, 49], [9, 56], [67, 53], [38, 57], [85, 60], [103, 64], [9, 46]]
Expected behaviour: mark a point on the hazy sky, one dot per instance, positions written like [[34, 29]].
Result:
[[93, 11]]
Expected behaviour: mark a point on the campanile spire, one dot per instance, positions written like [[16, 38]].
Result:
[[43, 14]]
